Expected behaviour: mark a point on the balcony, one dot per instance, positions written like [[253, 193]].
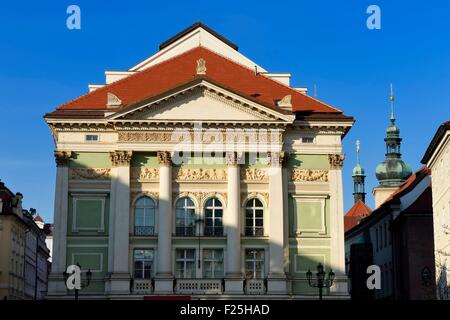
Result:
[[185, 231], [255, 286], [254, 231], [198, 286], [142, 286], [213, 232], [141, 231]]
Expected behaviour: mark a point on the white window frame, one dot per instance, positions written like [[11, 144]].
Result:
[[185, 260], [254, 260], [147, 211], [152, 261], [254, 208], [214, 261], [92, 135], [213, 209], [186, 209]]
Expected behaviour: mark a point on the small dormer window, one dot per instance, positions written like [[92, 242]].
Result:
[[307, 139], [92, 137]]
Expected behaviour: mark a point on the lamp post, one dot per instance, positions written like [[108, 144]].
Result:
[[199, 222], [88, 280], [321, 282]]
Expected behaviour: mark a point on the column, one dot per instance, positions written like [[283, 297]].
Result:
[[119, 223], [233, 277], [164, 275], [337, 225], [276, 280], [56, 283]]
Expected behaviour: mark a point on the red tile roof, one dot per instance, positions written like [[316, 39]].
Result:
[[182, 68], [356, 213], [38, 218]]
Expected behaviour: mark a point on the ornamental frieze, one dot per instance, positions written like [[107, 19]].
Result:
[[254, 174], [145, 136], [309, 175], [200, 174], [90, 173], [142, 173], [62, 158]]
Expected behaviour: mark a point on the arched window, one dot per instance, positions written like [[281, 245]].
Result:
[[144, 217], [185, 217], [213, 218], [254, 218]]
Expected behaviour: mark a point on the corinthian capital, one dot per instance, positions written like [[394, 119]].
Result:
[[62, 157], [164, 157], [120, 158], [336, 161], [276, 158]]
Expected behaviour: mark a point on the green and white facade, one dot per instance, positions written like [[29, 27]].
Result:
[[249, 219]]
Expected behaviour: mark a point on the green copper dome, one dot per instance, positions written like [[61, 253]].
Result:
[[393, 130], [393, 172], [358, 171]]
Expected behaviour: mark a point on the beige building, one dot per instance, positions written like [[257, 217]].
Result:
[[12, 240], [437, 158]]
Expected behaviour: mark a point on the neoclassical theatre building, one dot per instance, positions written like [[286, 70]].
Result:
[[198, 172]]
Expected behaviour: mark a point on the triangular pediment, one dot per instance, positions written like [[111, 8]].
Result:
[[201, 101]]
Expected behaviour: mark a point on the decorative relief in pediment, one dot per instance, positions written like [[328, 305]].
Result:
[[245, 196], [309, 175], [200, 174], [142, 173], [90, 173], [200, 196], [152, 194]]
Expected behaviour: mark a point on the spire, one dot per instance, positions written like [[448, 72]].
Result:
[[391, 98], [358, 175]]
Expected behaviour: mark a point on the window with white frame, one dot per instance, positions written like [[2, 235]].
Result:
[[254, 263], [254, 218], [185, 217], [213, 218], [185, 263], [144, 217], [307, 139], [143, 263], [212, 263]]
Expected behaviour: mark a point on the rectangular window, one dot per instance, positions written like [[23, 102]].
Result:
[[212, 263], [307, 140], [185, 263], [143, 263], [254, 263], [91, 137]]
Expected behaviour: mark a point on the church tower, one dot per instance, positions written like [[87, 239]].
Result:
[[393, 171], [359, 176]]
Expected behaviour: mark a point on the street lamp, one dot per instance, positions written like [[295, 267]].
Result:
[[88, 280], [199, 222], [321, 282]]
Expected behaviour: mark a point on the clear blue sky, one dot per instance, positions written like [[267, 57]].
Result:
[[43, 64]]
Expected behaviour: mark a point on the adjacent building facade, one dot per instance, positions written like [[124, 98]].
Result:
[[397, 236], [197, 172], [437, 158]]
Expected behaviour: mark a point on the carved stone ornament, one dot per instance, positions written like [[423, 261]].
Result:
[[309, 175], [151, 194], [90, 173], [113, 101], [285, 102], [145, 136], [276, 158], [200, 174], [164, 158], [233, 158], [62, 157], [254, 174], [142, 173], [201, 66], [246, 196], [120, 158], [200, 196], [336, 160]]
